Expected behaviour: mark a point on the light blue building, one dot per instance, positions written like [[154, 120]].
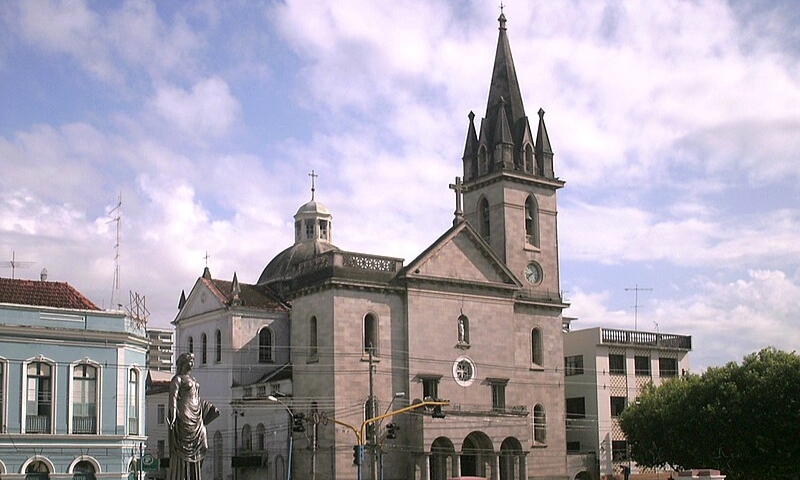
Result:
[[71, 385]]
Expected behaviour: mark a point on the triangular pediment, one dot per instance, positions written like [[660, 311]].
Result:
[[203, 298], [461, 256]]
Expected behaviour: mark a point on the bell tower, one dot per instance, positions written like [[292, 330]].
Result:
[[509, 183]]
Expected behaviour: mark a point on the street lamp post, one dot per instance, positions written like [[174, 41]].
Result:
[[274, 398], [236, 415]]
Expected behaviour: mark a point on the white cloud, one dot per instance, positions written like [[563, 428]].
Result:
[[132, 37], [208, 108], [616, 234]]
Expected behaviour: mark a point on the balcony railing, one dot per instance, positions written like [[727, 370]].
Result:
[[84, 424], [37, 424], [646, 339]]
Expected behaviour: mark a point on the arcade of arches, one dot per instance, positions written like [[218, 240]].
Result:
[[477, 458]]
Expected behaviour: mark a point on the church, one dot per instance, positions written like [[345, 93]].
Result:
[[335, 337]]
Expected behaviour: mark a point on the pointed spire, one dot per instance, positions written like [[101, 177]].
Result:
[[543, 150], [504, 84], [207, 273], [182, 300], [470, 157], [236, 290]]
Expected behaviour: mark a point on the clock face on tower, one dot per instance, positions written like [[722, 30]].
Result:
[[533, 273]]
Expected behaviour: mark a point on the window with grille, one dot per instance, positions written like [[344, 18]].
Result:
[[616, 364], [573, 365]]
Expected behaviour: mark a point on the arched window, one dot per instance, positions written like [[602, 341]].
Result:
[[133, 402], [371, 334], [537, 352], [83, 470], [39, 401], [483, 161], [265, 345], [312, 338], [539, 424], [463, 330], [84, 398], [203, 349], [217, 346], [529, 160], [191, 345], [247, 438], [483, 217], [37, 470], [261, 437], [531, 222]]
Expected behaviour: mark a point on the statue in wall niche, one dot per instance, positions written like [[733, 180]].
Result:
[[187, 417]]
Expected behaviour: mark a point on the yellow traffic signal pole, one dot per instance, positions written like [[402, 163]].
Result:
[[358, 449]]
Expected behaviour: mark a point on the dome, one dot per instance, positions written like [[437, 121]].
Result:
[[314, 208], [282, 266]]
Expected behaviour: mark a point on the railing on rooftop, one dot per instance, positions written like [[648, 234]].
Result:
[[349, 260], [645, 339]]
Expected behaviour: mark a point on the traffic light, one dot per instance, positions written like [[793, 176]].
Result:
[[298, 422], [391, 430], [437, 412], [358, 454]]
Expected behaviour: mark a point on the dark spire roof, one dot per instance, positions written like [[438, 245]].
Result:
[[504, 86], [542, 140], [43, 294]]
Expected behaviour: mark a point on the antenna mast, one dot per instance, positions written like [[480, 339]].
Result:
[[14, 264], [636, 289], [117, 218]]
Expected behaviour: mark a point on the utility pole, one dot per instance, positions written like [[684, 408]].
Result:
[[372, 414]]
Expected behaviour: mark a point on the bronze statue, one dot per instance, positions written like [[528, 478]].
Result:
[[187, 416]]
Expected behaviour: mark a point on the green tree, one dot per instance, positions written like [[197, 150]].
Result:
[[741, 419]]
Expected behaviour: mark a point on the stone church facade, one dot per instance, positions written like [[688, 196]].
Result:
[[475, 319]]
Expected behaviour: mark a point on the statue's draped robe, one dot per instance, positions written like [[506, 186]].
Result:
[[188, 443]]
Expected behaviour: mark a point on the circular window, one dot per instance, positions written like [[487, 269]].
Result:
[[464, 371]]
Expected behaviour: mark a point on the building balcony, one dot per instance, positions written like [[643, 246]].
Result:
[[610, 336], [37, 424], [84, 425]]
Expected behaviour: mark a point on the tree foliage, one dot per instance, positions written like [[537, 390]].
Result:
[[741, 419]]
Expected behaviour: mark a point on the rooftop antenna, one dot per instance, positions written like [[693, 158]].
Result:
[[313, 176], [636, 289], [117, 218], [14, 264], [137, 310]]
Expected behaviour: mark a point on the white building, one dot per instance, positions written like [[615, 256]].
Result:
[[605, 370], [160, 353]]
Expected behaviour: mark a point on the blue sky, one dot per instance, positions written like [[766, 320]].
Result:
[[675, 124]]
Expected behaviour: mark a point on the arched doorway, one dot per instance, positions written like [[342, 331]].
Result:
[[512, 460], [37, 470], [443, 454], [83, 470], [477, 455], [583, 476]]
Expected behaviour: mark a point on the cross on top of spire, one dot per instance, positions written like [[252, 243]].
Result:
[[313, 177]]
